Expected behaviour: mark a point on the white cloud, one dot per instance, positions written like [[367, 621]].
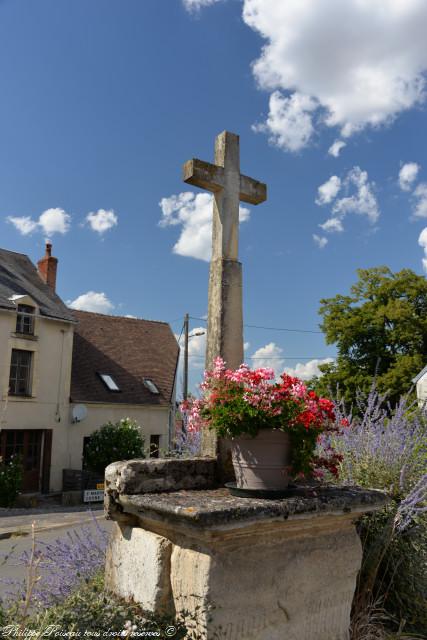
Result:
[[422, 241], [50, 222], [306, 370], [289, 122], [102, 220], [54, 221], [335, 148], [196, 5], [362, 62], [407, 175], [363, 201], [328, 190], [332, 225], [360, 198], [271, 355], [92, 301], [24, 224], [420, 193], [321, 241], [193, 212]]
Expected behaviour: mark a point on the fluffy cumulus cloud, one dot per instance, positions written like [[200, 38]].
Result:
[[289, 122], [92, 301], [420, 206], [193, 214], [362, 201], [328, 190], [347, 64], [50, 222], [332, 225], [196, 5], [102, 220], [359, 198], [407, 175], [422, 241], [306, 370], [321, 241], [271, 355], [336, 148]]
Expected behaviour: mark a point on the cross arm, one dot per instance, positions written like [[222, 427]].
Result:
[[252, 191], [203, 174]]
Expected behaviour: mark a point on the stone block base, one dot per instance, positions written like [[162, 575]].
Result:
[[239, 568]]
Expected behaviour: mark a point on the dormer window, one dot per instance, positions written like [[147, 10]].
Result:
[[151, 386], [109, 382], [25, 320]]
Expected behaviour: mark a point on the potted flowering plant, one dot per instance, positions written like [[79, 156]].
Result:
[[274, 426]]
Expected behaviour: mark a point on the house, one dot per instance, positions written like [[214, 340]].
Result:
[[64, 373], [421, 384]]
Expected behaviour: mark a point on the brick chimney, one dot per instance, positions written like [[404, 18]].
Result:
[[47, 266]]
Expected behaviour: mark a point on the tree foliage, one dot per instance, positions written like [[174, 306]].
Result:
[[380, 330]]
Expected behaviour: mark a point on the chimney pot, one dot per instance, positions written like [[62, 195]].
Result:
[[47, 266]]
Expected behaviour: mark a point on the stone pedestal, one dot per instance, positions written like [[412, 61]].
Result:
[[239, 568]]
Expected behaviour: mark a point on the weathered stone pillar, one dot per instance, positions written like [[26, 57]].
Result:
[[225, 316], [240, 568]]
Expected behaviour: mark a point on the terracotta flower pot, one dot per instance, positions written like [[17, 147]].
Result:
[[261, 462]]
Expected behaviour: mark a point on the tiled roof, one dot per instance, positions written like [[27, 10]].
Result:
[[18, 276], [128, 350]]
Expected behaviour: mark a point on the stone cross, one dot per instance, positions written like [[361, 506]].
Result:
[[229, 187]]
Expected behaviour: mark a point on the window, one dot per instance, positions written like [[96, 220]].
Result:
[[154, 446], [109, 382], [151, 386], [25, 319], [20, 373]]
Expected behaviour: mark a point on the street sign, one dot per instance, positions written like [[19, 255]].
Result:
[[93, 495]]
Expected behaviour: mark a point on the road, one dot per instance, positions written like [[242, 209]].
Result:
[[49, 527]]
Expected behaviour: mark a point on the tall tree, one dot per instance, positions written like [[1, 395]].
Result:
[[380, 330]]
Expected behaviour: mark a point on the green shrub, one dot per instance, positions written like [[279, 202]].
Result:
[[10, 481], [112, 442]]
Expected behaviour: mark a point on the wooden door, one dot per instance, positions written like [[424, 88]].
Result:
[[27, 443]]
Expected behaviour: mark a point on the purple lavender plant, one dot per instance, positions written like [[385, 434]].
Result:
[[384, 448], [63, 565], [188, 443]]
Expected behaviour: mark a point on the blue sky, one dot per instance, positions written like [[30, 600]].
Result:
[[103, 101]]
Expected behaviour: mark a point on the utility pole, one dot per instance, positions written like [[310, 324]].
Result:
[[186, 332]]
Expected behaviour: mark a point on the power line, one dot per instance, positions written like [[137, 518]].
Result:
[[277, 357], [255, 326]]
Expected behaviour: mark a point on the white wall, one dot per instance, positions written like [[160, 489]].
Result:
[[48, 408], [153, 420], [422, 389]]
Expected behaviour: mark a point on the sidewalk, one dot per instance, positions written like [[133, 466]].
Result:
[[17, 522]]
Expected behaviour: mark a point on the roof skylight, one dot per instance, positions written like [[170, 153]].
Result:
[[151, 386], [109, 382]]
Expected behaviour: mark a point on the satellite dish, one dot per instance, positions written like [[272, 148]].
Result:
[[79, 413]]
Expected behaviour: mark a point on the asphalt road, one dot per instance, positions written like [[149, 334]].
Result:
[[49, 527]]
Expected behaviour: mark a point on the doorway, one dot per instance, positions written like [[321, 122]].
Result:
[[33, 446]]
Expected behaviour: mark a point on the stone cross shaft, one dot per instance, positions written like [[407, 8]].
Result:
[[229, 187]]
